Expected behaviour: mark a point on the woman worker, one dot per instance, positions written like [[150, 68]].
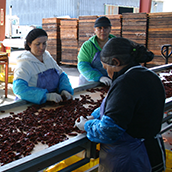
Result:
[[89, 64], [37, 77], [128, 122]]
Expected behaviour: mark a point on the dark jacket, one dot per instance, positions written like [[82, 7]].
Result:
[[136, 102]]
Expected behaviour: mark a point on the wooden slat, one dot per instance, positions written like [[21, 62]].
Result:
[[69, 22], [134, 15], [50, 20], [153, 30], [159, 33], [159, 60], [134, 27], [160, 15], [69, 40], [69, 33], [51, 26], [86, 28], [69, 57]]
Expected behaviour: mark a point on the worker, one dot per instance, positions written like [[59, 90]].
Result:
[[37, 76], [89, 64], [128, 122]]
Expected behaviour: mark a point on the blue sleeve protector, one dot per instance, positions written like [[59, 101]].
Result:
[[31, 94], [103, 131], [96, 113], [64, 84], [91, 74]]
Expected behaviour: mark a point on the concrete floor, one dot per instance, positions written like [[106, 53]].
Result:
[[71, 71]]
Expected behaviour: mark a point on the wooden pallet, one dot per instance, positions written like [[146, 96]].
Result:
[[69, 29], [134, 27], [69, 41], [51, 26], [159, 34], [66, 37], [86, 28]]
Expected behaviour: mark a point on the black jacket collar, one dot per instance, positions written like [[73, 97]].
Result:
[[122, 71]]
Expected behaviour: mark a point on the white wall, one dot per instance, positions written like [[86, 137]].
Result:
[[167, 6]]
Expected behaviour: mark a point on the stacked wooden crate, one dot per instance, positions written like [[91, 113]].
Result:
[[86, 28], [116, 21], [159, 34], [134, 27], [69, 41], [66, 36], [51, 26]]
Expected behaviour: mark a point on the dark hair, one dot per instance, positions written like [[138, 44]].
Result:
[[102, 21], [126, 51], [32, 35]]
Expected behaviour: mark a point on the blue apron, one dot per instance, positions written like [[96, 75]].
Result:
[[127, 154], [96, 63], [49, 80]]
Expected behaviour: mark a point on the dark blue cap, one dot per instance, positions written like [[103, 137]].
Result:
[[102, 21]]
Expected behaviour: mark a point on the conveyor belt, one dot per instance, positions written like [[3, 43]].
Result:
[[166, 127], [44, 158], [60, 151]]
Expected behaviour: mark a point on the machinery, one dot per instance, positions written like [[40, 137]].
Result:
[[14, 32], [13, 29], [58, 152], [166, 51]]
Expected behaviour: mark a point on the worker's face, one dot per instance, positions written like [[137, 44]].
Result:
[[102, 32], [110, 69], [38, 46], [116, 67]]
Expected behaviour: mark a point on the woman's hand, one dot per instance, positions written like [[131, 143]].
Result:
[[54, 97], [105, 80], [80, 122], [66, 94]]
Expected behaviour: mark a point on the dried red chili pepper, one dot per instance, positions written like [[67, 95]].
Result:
[[20, 132]]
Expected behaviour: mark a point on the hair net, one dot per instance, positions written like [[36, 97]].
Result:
[[32, 35], [126, 51]]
